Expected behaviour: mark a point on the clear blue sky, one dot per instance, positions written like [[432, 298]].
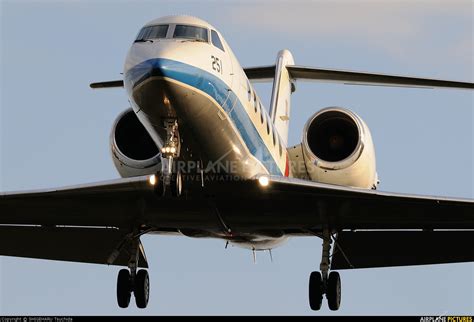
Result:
[[54, 131]]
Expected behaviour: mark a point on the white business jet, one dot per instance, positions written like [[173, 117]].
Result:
[[200, 156]]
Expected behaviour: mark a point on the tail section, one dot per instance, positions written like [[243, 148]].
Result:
[[282, 89]]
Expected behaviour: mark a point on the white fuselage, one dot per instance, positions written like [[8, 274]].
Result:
[[207, 90]]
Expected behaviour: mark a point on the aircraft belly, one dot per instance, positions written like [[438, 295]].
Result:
[[214, 132]]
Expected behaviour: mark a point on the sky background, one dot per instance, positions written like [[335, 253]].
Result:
[[54, 131]]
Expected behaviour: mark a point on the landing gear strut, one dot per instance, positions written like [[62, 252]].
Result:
[[129, 280], [170, 181], [324, 282]]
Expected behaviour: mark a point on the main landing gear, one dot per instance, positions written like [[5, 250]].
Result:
[[324, 282], [129, 280], [140, 286]]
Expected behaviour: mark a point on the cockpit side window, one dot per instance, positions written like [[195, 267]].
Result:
[[152, 32], [216, 41], [191, 32]]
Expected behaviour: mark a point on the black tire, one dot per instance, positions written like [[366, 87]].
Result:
[[142, 289], [176, 184], [333, 293], [123, 288], [315, 291]]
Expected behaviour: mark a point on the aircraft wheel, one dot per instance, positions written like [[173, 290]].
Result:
[[315, 291], [333, 293], [176, 184], [123, 288], [142, 289]]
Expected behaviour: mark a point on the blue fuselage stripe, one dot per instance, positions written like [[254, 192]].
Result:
[[214, 87]]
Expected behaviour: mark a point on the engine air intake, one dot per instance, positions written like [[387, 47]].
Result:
[[333, 136], [133, 140]]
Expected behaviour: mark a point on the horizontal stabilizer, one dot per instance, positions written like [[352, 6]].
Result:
[[262, 73], [266, 73], [367, 249], [109, 84]]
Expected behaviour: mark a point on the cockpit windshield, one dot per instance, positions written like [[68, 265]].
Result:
[[152, 32], [191, 32]]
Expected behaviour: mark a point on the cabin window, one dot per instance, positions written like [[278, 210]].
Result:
[[249, 91], [254, 100], [152, 32], [216, 41], [191, 32], [274, 139]]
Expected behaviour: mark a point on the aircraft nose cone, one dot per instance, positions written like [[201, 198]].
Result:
[[142, 71], [150, 68]]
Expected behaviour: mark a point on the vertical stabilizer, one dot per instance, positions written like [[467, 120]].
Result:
[[282, 89]]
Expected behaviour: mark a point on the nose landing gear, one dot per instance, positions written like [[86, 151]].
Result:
[[170, 181]]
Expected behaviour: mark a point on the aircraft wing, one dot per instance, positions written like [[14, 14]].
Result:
[[85, 223], [266, 73], [90, 223]]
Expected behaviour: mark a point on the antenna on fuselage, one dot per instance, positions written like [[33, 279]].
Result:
[[271, 257]]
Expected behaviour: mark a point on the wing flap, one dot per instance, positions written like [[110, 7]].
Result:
[[367, 249], [86, 245]]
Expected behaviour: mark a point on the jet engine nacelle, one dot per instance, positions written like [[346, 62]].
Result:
[[133, 150], [338, 149]]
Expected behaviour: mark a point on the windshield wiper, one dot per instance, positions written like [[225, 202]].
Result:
[[143, 40], [195, 40]]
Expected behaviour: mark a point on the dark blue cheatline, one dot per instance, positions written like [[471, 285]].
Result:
[[214, 87]]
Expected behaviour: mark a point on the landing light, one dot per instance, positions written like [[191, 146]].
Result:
[[264, 181], [152, 179]]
